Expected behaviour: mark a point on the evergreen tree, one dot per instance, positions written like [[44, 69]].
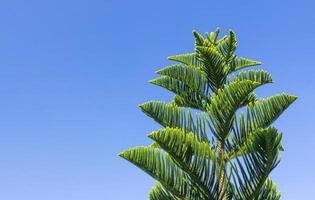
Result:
[[217, 140]]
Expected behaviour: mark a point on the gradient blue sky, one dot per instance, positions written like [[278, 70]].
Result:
[[73, 72]]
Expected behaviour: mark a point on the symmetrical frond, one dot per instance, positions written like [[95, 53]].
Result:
[[160, 166], [213, 64], [260, 114], [196, 158], [251, 170], [187, 59], [225, 103], [259, 76], [239, 63], [227, 46], [266, 111], [186, 82], [169, 115], [191, 76]]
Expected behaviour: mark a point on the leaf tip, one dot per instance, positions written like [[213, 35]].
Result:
[[171, 57], [293, 97], [159, 71], [150, 135], [122, 154], [153, 81], [231, 32], [142, 106]]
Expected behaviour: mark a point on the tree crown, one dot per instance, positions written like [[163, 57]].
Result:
[[217, 142]]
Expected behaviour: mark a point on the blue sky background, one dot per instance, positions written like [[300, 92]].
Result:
[[72, 74]]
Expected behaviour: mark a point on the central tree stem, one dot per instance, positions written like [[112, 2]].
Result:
[[222, 174]]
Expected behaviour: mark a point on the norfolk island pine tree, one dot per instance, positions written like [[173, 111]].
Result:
[[217, 141]]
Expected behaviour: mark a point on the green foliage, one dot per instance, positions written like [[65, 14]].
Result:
[[216, 140]]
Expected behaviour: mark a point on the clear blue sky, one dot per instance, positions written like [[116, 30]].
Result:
[[72, 74]]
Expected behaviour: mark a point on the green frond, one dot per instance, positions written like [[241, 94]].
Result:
[[193, 77], [201, 41], [239, 63], [269, 191], [259, 114], [158, 192], [188, 59], [251, 170], [260, 76], [221, 39], [169, 115], [213, 65], [161, 167], [227, 46], [266, 111], [224, 104], [194, 98], [187, 82], [195, 158]]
